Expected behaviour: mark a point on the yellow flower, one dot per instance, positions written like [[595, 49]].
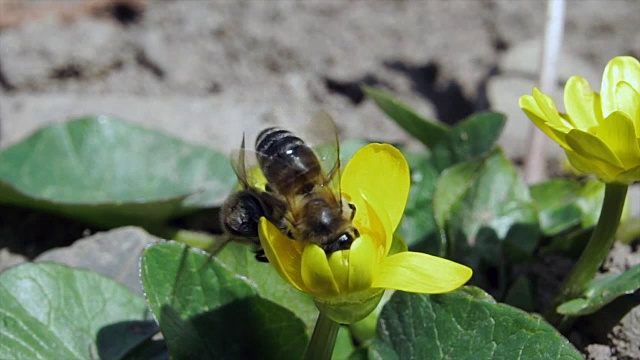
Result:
[[348, 284], [600, 133]]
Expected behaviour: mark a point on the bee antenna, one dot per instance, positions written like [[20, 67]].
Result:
[[337, 166], [339, 170], [241, 162]]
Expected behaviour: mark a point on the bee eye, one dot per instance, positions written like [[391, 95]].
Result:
[[344, 241]]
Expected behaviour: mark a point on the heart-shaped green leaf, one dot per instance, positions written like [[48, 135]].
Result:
[[602, 291], [50, 311], [206, 311], [466, 324], [468, 140], [240, 260], [563, 204], [484, 194], [487, 215], [418, 226], [451, 187], [427, 132], [108, 173]]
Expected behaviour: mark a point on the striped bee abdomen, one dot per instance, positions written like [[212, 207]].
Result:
[[288, 164]]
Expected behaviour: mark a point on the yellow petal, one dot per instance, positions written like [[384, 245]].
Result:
[[363, 260], [590, 146], [621, 68], [629, 176], [527, 102], [628, 101], [531, 109], [548, 107], [381, 229], [339, 265], [316, 273], [582, 103], [398, 245], [604, 171], [554, 134], [382, 170], [420, 273], [283, 253], [618, 133]]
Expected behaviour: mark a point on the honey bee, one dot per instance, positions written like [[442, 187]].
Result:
[[300, 197]]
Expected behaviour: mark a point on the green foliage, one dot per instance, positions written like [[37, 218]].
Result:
[[240, 260], [206, 311], [465, 324], [564, 204], [427, 132], [602, 291], [468, 140], [418, 226], [487, 216], [110, 173], [50, 311], [467, 202]]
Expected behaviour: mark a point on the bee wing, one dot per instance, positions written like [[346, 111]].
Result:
[[323, 138], [245, 165]]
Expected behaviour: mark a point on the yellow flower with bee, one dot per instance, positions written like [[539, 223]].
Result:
[[600, 133], [332, 236], [348, 284]]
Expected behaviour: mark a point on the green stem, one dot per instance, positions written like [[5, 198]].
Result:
[[323, 339], [596, 250]]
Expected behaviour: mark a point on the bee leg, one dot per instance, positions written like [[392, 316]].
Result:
[[261, 256], [353, 210]]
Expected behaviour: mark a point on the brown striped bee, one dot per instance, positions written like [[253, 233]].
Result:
[[300, 197]]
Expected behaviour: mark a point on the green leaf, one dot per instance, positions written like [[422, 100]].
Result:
[[487, 215], [451, 187], [50, 311], [240, 260], [602, 291], [466, 324], [427, 132], [564, 204], [589, 200], [108, 173], [206, 311], [520, 294], [418, 226], [468, 140]]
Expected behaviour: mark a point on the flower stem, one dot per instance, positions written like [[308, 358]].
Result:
[[596, 250], [323, 339]]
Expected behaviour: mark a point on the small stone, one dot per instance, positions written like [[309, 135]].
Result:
[[9, 259], [598, 352], [114, 253]]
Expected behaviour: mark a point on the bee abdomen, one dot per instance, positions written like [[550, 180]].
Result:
[[286, 161]]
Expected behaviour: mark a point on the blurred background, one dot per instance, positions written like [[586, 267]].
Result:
[[207, 70]]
